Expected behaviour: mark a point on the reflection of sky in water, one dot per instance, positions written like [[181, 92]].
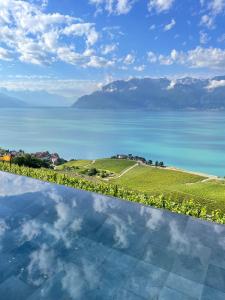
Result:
[[60, 243]]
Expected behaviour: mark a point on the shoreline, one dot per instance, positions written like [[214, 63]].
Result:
[[208, 176], [173, 168]]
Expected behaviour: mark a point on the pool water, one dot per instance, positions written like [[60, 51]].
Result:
[[61, 243]]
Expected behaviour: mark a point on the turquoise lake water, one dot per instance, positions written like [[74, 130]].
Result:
[[190, 140]]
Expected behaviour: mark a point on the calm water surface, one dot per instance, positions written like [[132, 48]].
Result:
[[62, 243], [191, 140]]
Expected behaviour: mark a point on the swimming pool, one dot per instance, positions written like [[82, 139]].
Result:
[[61, 243]]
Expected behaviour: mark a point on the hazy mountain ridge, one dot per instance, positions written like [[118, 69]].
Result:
[[37, 98], [7, 101], [158, 94]]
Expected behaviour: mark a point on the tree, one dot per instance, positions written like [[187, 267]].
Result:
[[150, 162], [92, 172], [30, 161], [161, 164], [157, 163]]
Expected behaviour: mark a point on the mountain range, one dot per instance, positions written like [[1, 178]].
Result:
[[7, 101], [25, 98], [158, 94]]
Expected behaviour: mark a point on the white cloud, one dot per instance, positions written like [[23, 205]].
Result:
[[213, 8], [83, 29], [109, 49], [210, 58], [129, 59], [207, 21], [99, 62], [213, 58], [31, 35], [217, 6], [213, 84], [140, 68], [221, 38], [152, 58], [117, 7], [204, 38], [152, 27], [172, 84], [170, 25], [4, 54], [67, 87], [160, 5]]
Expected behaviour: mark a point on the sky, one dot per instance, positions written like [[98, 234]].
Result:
[[73, 47]]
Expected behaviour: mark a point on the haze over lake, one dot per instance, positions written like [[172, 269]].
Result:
[[190, 140]]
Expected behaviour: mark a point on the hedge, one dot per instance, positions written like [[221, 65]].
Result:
[[187, 207]]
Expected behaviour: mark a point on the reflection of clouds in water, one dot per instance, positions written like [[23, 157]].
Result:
[[72, 281], [76, 280], [121, 231], [220, 233], [65, 215], [42, 265], [154, 217], [17, 185], [178, 240], [222, 242], [3, 228], [101, 203], [76, 225], [66, 220], [91, 275], [30, 230]]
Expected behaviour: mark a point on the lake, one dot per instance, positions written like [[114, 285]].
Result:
[[190, 140]]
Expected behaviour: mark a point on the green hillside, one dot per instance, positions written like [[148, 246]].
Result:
[[113, 165], [153, 181]]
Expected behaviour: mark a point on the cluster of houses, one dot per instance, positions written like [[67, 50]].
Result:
[[139, 159], [52, 158]]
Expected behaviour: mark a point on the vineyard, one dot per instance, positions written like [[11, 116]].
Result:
[[187, 207]]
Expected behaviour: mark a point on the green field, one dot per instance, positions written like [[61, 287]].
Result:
[[180, 185], [75, 163], [154, 180], [113, 165]]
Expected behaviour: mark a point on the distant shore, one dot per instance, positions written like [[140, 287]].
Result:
[[209, 176]]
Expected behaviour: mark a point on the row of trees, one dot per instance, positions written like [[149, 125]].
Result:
[[31, 161], [139, 158]]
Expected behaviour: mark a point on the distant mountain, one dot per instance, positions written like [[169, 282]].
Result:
[[38, 98], [158, 94], [6, 101]]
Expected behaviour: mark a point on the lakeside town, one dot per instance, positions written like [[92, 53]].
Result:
[[46, 159]]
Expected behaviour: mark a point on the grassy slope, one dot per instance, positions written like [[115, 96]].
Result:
[[179, 184], [152, 180], [75, 163], [211, 193], [113, 165]]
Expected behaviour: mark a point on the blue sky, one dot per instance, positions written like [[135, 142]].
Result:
[[72, 47]]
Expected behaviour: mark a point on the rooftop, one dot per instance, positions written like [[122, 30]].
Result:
[[61, 243]]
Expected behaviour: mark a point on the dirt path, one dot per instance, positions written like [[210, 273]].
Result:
[[125, 171], [93, 161]]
